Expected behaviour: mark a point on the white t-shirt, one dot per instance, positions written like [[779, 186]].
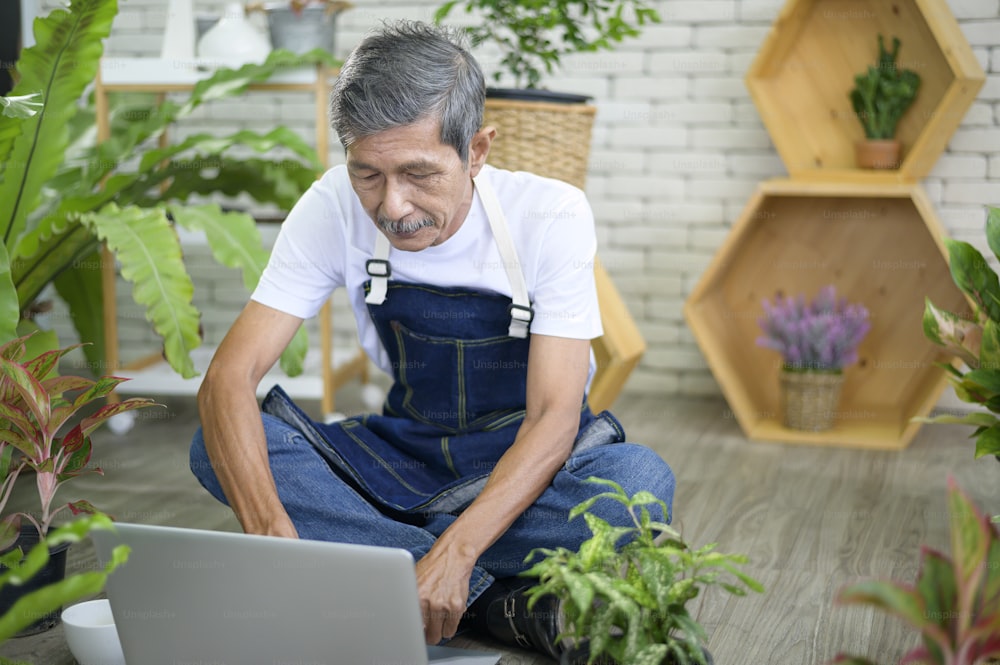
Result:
[[327, 238]]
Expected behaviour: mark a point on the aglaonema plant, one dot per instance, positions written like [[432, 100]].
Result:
[[974, 339], [36, 404], [63, 195], [955, 601]]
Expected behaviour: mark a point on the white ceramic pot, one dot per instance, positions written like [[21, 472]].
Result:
[[234, 40], [91, 634]]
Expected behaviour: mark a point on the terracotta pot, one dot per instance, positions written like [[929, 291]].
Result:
[[53, 571], [880, 154]]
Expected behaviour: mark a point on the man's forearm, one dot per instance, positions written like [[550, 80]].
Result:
[[237, 447], [523, 473]]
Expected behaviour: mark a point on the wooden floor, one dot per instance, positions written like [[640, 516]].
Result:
[[810, 519]]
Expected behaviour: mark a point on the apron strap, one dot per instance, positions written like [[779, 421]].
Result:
[[521, 313], [520, 309], [379, 270]]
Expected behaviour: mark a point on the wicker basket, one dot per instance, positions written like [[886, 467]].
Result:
[[546, 138], [809, 399]]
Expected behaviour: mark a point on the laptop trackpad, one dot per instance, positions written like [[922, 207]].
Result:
[[453, 656]]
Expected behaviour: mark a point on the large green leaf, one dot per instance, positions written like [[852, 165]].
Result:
[[959, 335], [79, 286], [973, 275], [988, 441], [970, 541], [10, 312], [56, 243], [230, 82], [61, 65], [232, 236], [150, 256], [210, 144], [236, 243], [993, 230], [267, 181]]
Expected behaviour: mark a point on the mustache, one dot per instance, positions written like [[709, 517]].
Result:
[[399, 226]]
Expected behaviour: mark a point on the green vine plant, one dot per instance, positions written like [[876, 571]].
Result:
[[63, 195], [626, 590]]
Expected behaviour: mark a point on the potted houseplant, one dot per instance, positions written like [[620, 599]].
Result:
[[538, 130], [624, 593], [816, 340], [954, 602], [880, 97], [975, 339], [22, 570], [35, 435], [63, 196]]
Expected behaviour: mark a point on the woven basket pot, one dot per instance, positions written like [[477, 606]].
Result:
[[809, 399], [550, 139]]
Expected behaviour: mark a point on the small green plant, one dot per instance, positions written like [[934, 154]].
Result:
[[626, 589], [19, 568], [975, 340], [883, 93], [33, 411], [534, 35], [955, 602]]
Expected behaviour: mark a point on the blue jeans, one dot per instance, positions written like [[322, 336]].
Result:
[[323, 507]]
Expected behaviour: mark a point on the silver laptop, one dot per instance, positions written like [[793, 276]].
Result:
[[194, 596]]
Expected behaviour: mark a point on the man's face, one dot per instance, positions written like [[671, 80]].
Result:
[[413, 186]]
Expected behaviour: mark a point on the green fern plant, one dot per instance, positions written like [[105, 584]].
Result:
[[625, 591], [62, 194]]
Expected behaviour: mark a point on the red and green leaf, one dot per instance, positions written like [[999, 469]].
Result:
[[88, 425], [16, 416], [31, 391]]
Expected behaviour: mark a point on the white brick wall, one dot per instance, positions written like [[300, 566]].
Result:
[[678, 148]]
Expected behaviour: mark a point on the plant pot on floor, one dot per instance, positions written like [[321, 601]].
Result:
[[53, 571], [809, 399], [877, 154]]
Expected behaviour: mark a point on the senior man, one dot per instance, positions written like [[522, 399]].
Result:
[[473, 287]]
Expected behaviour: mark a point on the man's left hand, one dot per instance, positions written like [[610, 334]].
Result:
[[443, 585]]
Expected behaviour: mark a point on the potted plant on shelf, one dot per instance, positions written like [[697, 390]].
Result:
[[816, 340], [302, 25], [539, 130], [34, 410], [880, 97], [954, 602], [624, 593]]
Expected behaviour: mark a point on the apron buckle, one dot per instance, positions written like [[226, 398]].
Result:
[[378, 268]]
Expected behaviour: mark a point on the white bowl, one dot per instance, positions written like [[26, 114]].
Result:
[[90, 633]]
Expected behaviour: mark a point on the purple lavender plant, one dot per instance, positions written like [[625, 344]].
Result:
[[820, 335]]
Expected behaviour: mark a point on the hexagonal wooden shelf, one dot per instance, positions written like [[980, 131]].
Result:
[[805, 69], [879, 244]]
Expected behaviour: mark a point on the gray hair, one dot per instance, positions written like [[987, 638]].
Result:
[[404, 73]]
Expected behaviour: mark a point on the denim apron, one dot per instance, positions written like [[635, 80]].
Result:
[[459, 362]]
